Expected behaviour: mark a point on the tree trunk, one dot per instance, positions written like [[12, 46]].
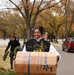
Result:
[[4, 35], [28, 33], [56, 41]]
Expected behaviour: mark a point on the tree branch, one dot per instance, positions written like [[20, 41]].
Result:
[[44, 8], [32, 8], [18, 8]]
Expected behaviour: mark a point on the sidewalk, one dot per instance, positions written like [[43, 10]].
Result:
[[59, 42], [5, 42]]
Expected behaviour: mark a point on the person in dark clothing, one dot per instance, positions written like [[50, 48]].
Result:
[[39, 44], [12, 44]]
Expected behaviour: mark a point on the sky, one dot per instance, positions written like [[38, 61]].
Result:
[[5, 3], [1, 6]]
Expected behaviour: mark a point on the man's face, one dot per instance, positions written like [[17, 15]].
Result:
[[12, 39], [37, 34]]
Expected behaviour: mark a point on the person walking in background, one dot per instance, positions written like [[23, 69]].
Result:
[[17, 38], [39, 44], [12, 44]]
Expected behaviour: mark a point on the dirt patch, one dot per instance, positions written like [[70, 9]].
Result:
[[3, 69]]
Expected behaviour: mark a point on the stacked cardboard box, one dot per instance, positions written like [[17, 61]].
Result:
[[35, 63]]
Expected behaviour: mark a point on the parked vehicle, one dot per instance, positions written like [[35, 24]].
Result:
[[68, 44]]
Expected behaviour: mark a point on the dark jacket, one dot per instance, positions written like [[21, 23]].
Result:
[[12, 45], [30, 45]]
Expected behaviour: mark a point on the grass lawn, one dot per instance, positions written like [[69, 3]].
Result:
[[5, 65]]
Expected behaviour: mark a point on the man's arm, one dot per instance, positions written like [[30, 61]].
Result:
[[52, 49]]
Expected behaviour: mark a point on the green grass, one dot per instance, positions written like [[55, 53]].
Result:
[[22, 39], [8, 73]]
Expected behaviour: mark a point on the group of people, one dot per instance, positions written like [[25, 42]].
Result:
[[36, 44]]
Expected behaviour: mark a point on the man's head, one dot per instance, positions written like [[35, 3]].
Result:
[[13, 38], [38, 32]]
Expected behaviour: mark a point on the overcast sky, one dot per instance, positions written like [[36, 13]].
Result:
[[4, 3]]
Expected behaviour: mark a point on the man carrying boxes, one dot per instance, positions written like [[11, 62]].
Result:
[[38, 57]]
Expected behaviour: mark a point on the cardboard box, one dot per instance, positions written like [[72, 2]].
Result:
[[35, 63]]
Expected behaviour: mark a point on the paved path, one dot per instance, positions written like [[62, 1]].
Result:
[[5, 42]]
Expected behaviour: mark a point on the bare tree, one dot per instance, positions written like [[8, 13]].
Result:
[[69, 15], [30, 10], [55, 19]]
